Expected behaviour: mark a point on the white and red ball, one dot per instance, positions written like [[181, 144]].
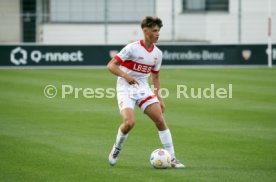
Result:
[[160, 159]]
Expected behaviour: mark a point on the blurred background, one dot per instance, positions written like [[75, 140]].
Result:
[[117, 22], [51, 43]]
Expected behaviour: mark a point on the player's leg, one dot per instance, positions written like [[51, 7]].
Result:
[[155, 113], [125, 127], [128, 120]]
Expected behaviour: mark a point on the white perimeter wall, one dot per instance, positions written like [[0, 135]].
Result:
[[10, 27], [89, 34], [220, 27]]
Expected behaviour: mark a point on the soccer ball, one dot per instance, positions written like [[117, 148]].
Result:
[[160, 159]]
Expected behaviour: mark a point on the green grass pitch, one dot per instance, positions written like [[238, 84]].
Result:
[[69, 139]]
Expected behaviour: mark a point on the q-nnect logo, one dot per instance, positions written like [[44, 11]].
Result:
[[19, 56]]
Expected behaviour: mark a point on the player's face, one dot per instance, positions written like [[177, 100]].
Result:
[[152, 34]]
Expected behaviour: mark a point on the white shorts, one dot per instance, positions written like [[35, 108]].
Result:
[[130, 95]]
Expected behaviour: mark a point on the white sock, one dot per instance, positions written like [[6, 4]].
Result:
[[120, 138], [166, 140]]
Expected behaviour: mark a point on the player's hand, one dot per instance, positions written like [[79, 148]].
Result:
[[131, 80], [162, 105]]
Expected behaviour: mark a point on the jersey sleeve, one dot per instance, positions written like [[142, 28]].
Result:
[[158, 64], [124, 54]]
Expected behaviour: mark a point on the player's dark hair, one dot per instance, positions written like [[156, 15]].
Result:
[[151, 21]]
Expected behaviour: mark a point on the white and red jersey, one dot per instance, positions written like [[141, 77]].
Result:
[[136, 60]]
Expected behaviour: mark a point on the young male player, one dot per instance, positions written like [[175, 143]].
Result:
[[133, 65]]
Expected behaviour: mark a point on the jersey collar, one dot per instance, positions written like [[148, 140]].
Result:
[[142, 44]]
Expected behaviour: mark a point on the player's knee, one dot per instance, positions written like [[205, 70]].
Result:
[[129, 123], [159, 119], [160, 122]]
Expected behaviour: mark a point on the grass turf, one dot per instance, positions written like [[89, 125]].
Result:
[[69, 139]]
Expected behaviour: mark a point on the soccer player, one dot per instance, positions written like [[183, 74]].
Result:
[[133, 65]]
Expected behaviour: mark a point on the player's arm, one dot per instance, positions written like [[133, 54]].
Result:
[[113, 67], [156, 83]]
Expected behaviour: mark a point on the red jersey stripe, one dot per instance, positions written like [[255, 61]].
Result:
[[134, 66]]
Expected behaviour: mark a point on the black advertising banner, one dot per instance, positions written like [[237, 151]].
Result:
[[215, 55], [82, 55], [55, 55]]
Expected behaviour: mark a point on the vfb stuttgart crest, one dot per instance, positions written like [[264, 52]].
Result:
[[246, 54]]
